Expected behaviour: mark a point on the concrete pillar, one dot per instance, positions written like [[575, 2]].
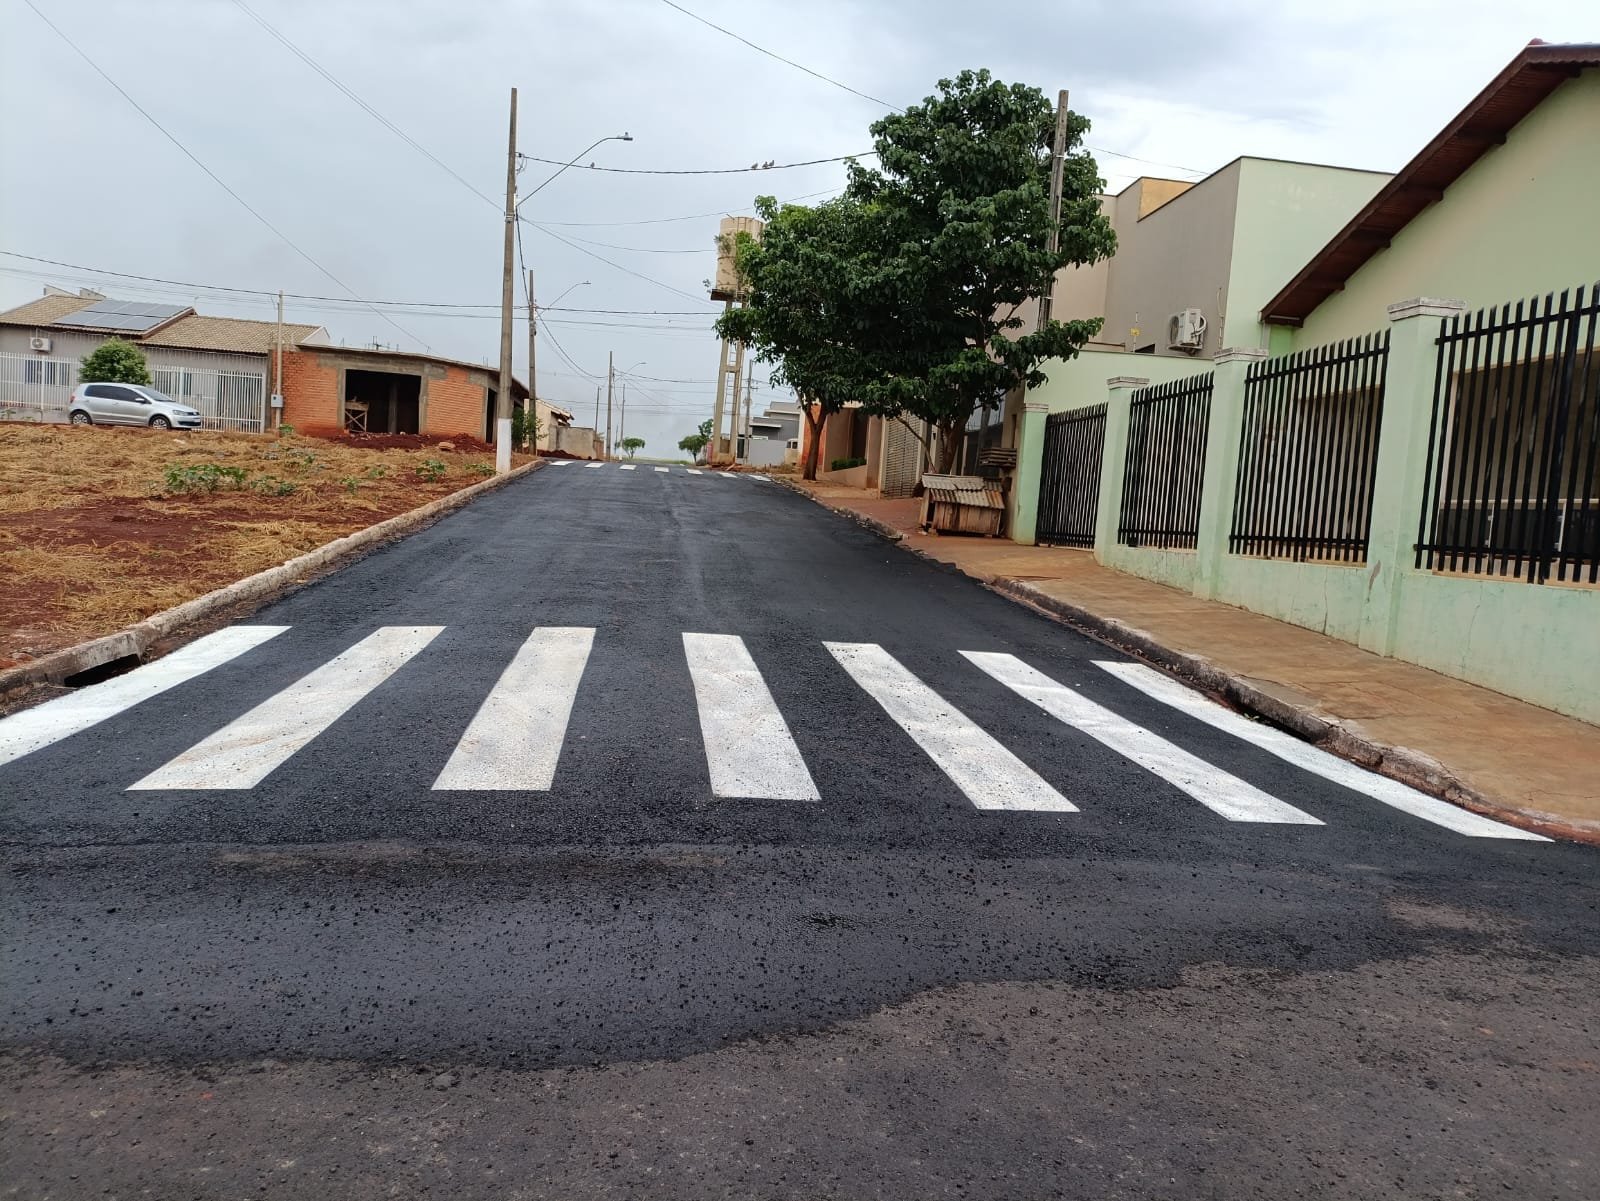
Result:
[[1401, 474], [1024, 522], [1218, 485], [1119, 393]]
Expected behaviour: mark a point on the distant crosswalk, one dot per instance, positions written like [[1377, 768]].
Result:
[[755, 476], [514, 739]]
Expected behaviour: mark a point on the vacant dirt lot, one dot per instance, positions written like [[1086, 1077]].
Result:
[[103, 527]]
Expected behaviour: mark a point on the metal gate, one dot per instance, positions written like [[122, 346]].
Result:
[[35, 389], [226, 400], [1069, 483]]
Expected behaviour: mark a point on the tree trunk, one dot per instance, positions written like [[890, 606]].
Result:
[[816, 419], [949, 446]]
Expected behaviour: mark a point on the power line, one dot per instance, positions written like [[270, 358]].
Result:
[[550, 233], [671, 220], [342, 300], [372, 112], [786, 61], [215, 178], [645, 249], [767, 166]]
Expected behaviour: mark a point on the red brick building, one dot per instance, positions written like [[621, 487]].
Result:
[[327, 389]]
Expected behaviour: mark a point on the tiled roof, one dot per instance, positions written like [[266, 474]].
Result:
[[46, 309], [1539, 70], [228, 334]]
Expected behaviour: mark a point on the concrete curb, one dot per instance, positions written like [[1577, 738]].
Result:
[[882, 529], [265, 585], [1326, 730]]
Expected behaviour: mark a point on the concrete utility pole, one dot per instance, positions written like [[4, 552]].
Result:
[[502, 404], [532, 413], [277, 373], [597, 407], [622, 421], [611, 383], [1058, 166]]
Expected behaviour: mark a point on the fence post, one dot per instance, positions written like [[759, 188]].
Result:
[[1221, 477], [1400, 479], [1030, 466], [1113, 463]]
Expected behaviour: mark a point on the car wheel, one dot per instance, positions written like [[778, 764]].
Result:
[[79, 417], [159, 422]]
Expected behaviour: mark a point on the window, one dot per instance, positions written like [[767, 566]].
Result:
[[100, 391], [50, 372]]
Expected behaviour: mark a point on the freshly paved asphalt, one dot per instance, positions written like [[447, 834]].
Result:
[[343, 983]]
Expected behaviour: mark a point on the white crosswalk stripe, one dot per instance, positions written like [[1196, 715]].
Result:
[[32, 729], [558, 462], [990, 775], [592, 465], [1312, 759], [691, 471], [514, 741], [1214, 788], [245, 751], [629, 466], [749, 750], [662, 470], [756, 475]]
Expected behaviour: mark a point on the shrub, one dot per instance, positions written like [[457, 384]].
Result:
[[378, 472], [352, 485], [114, 362], [285, 430], [846, 464], [203, 477], [431, 471], [483, 469], [271, 485]]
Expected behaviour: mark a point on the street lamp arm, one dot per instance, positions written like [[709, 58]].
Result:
[[619, 137]]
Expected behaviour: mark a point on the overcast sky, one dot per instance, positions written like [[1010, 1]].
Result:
[[86, 180]]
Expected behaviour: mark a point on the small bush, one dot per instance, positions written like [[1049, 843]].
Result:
[[271, 485], [846, 464], [483, 469], [431, 471], [378, 472], [203, 477], [285, 430], [351, 483]]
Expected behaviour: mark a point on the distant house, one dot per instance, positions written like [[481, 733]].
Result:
[[220, 365], [224, 367]]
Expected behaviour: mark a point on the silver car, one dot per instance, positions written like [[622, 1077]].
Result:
[[129, 404]]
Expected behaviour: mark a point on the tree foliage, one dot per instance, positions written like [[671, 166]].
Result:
[[693, 444], [632, 446], [114, 362], [807, 307], [962, 187], [903, 294]]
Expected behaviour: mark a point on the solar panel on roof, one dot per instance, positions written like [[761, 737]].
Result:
[[131, 316]]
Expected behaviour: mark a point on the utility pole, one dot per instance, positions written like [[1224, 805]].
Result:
[[611, 383], [1058, 166], [502, 402], [277, 374], [597, 408], [622, 422], [531, 415]]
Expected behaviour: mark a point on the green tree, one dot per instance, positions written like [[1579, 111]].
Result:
[[808, 306], [632, 446], [693, 444], [961, 198], [114, 362]]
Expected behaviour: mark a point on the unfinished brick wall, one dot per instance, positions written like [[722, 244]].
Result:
[[310, 393], [456, 404]]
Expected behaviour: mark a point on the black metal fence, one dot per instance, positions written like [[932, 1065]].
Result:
[[1165, 464], [1069, 482], [1308, 453], [1513, 469]]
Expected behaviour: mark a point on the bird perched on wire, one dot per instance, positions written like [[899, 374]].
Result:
[[768, 163]]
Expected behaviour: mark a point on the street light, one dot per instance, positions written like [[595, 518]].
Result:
[[622, 432], [502, 414]]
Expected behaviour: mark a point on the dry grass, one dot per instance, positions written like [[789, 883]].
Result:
[[95, 533]]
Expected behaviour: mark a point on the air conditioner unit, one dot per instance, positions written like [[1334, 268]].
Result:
[[1186, 330], [39, 344]]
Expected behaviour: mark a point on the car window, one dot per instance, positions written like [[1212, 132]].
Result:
[[114, 393], [156, 394], [99, 391]]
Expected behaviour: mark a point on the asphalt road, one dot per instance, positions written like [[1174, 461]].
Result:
[[816, 907]]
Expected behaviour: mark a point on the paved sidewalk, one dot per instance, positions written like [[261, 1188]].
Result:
[[1531, 764]]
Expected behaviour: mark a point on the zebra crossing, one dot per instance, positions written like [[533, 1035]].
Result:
[[757, 476], [515, 738]]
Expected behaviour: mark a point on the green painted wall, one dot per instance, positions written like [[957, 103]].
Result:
[[1521, 221], [1286, 212]]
